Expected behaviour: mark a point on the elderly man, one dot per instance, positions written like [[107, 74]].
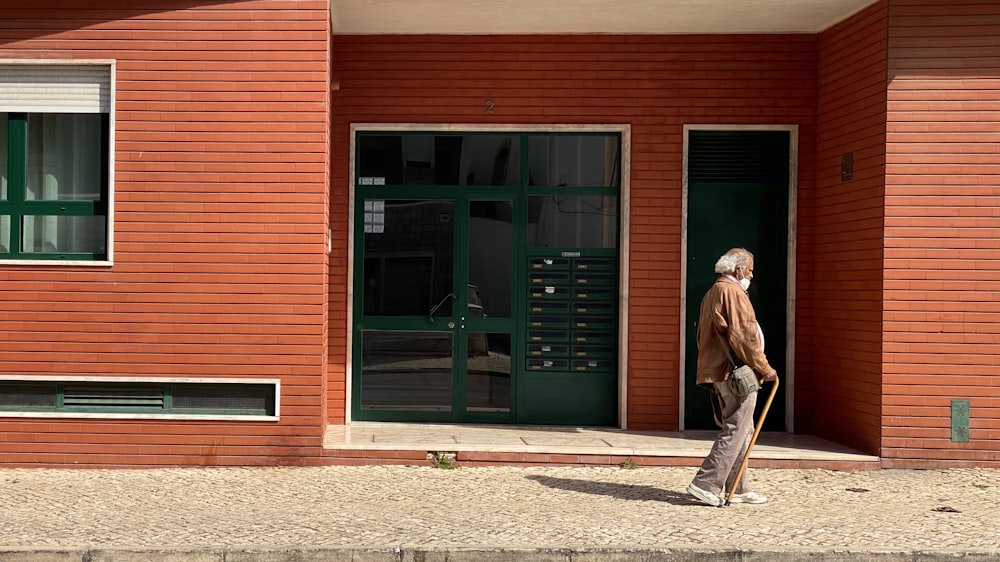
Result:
[[728, 325]]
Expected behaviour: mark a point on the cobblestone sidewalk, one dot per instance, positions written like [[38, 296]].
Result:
[[568, 513]]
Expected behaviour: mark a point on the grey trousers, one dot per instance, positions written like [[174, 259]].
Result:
[[719, 468]]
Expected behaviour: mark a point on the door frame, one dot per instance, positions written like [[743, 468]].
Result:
[[788, 377], [624, 130]]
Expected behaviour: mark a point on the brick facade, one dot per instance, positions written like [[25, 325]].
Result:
[[941, 318], [220, 199], [840, 235], [232, 159]]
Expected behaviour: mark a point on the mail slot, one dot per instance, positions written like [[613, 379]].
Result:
[[548, 307], [594, 307], [582, 336], [592, 351], [547, 350], [539, 321], [594, 293], [593, 322], [592, 365], [548, 364], [549, 277], [548, 264], [548, 292], [592, 279], [594, 264], [548, 335]]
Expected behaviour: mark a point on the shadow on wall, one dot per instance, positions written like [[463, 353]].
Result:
[[62, 19]]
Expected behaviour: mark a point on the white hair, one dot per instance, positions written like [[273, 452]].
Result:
[[732, 260]]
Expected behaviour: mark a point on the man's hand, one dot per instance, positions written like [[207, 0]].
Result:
[[772, 376]]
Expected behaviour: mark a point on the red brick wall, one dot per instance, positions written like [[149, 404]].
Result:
[[655, 84], [838, 358], [942, 257], [220, 199]]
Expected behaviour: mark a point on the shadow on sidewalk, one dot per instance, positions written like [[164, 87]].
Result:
[[621, 491]]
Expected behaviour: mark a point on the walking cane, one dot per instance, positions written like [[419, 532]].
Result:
[[756, 432]]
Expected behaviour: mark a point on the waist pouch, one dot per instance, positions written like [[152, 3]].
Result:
[[743, 382]]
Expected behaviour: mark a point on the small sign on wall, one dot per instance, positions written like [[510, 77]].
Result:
[[847, 166]]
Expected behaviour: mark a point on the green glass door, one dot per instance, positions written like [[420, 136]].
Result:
[[423, 353], [485, 278]]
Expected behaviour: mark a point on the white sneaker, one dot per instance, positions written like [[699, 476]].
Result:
[[704, 496], [749, 497]]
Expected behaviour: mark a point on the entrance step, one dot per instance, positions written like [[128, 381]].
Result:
[[472, 445]]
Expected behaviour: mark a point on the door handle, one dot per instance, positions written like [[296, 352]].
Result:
[[430, 314]]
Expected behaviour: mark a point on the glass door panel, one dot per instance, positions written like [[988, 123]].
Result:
[[490, 290], [488, 373], [425, 356], [405, 328], [408, 257], [406, 370], [490, 258]]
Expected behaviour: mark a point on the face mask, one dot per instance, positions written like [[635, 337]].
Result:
[[745, 283]]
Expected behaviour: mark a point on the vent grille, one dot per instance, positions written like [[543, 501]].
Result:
[[113, 396], [738, 157], [229, 398], [255, 397], [27, 395]]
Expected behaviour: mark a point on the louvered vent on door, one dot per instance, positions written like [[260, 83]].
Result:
[[738, 157], [113, 396]]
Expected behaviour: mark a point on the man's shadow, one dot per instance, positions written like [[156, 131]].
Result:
[[620, 491]]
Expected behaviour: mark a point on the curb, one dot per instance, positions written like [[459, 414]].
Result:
[[486, 554]]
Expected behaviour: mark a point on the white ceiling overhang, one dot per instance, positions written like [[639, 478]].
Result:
[[505, 17]]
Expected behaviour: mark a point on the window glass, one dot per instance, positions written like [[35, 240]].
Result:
[[69, 234], [573, 160], [421, 159], [54, 199], [64, 157], [577, 221], [4, 233], [4, 120]]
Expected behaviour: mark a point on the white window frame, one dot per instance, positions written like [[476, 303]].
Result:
[[276, 383]]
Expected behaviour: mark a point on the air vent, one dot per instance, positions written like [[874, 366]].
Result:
[[738, 157], [113, 396], [20, 395], [228, 397], [140, 397]]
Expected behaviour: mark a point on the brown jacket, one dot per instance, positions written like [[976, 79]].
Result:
[[726, 310]]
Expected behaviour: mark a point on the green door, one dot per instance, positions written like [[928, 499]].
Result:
[[474, 276], [737, 197], [423, 354]]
